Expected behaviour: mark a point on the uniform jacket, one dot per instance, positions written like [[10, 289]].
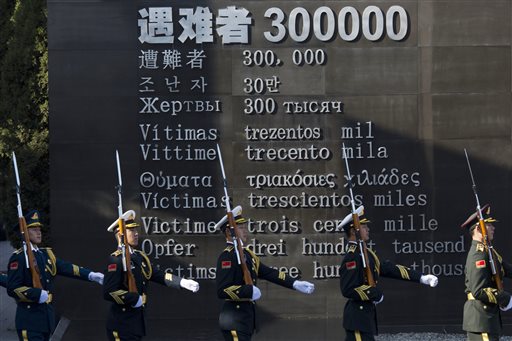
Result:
[[360, 313], [238, 310], [122, 315], [31, 315], [481, 310]]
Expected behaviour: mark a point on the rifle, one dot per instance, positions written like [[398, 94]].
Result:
[[483, 230], [123, 239], [27, 245], [357, 227], [239, 250]]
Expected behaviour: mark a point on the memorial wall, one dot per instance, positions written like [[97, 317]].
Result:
[[406, 86]]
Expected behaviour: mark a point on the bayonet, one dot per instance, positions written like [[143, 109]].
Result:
[[125, 251], [240, 256], [357, 225], [483, 228], [27, 245]]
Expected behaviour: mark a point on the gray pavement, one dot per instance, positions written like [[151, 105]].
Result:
[[427, 337], [7, 305]]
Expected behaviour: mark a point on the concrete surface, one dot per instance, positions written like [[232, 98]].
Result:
[[7, 304]]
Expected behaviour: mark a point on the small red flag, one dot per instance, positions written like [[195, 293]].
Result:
[[226, 264], [112, 267], [351, 265], [13, 266], [480, 264]]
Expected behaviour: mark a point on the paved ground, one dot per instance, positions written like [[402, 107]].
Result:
[[7, 305], [428, 337]]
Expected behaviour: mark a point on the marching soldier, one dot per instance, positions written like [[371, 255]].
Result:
[[35, 318], [482, 317], [237, 317], [360, 316], [125, 320]]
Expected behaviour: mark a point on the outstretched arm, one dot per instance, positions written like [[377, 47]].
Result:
[[154, 274], [67, 269], [397, 271]]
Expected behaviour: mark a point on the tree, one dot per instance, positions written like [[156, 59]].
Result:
[[24, 107]]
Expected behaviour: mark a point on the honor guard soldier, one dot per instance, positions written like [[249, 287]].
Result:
[[237, 317], [360, 316], [125, 320], [35, 318], [485, 298]]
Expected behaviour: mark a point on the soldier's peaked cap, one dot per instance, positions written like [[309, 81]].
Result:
[[129, 221], [237, 214], [473, 219], [33, 219], [347, 222]]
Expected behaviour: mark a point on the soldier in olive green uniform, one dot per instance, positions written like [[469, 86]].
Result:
[[360, 316], [237, 317], [482, 317]]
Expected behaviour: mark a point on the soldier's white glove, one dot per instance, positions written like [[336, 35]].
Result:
[[44, 296], [509, 305], [429, 280], [304, 287], [189, 285], [379, 301], [96, 277], [256, 293], [139, 302]]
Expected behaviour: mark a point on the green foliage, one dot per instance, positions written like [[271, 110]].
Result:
[[23, 108]]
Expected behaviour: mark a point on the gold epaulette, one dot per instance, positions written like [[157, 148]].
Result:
[[352, 248], [18, 251], [116, 253], [229, 248], [481, 247]]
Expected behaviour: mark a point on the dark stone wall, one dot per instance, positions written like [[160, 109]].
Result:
[[417, 104]]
